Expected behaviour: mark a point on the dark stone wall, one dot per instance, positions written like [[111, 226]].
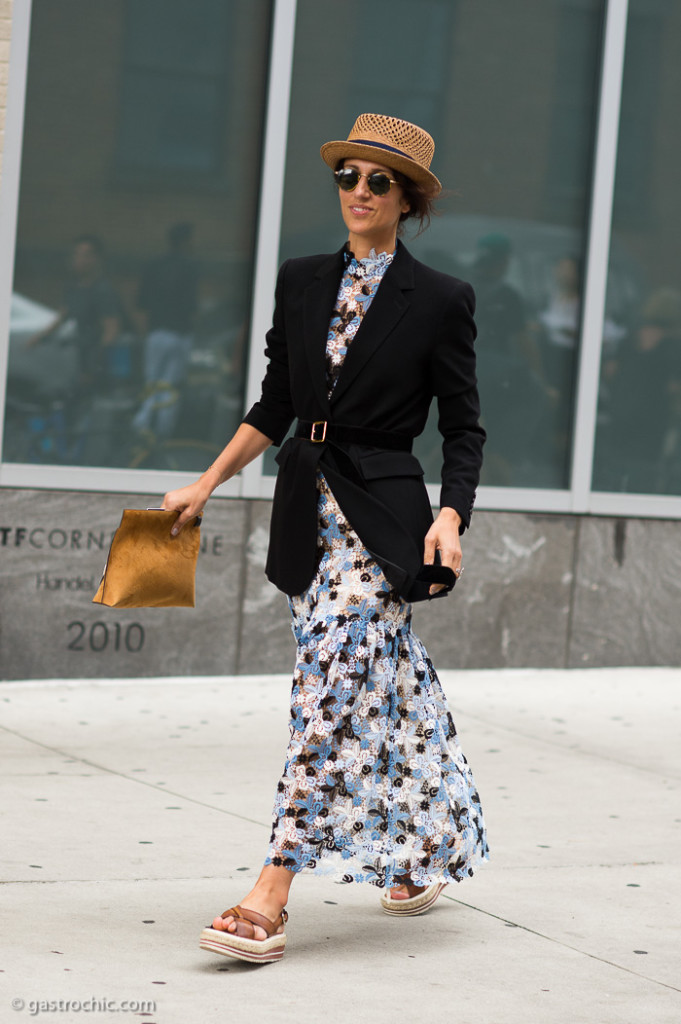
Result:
[[538, 590]]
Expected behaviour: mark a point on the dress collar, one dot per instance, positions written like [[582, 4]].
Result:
[[369, 266]]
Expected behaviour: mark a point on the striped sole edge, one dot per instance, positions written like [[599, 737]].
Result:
[[396, 908], [244, 951]]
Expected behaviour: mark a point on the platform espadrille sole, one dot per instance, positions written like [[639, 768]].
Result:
[[415, 904], [255, 951]]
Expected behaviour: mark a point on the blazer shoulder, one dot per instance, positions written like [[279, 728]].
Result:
[[307, 266], [446, 283], [445, 287]]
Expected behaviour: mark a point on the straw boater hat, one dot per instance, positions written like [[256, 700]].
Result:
[[398, 144]]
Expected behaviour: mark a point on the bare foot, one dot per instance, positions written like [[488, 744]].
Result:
[[406, 891], [266, 903]]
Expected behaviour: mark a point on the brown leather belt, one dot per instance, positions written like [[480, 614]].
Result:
[[321, 431]]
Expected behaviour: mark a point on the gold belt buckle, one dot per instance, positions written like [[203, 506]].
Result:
[[313, 432]]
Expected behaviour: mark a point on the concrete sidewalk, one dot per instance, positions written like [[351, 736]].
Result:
[[134, 811]]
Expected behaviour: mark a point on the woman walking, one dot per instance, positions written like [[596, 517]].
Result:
[[375, 787]]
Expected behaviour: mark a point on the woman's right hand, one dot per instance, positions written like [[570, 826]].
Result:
[[246, 445], [188, 501]]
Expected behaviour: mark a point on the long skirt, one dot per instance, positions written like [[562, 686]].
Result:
[[375, 785]]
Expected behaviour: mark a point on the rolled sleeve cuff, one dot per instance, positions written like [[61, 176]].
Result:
[[274, 427], [461, 503]]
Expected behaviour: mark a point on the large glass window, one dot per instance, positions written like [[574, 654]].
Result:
[[136, 231], [638, 439], [512, 113]]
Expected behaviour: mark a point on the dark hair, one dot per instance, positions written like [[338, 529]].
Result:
[[94, 241], [180, 234], [421, 199]]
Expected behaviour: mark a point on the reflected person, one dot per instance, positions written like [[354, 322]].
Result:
[[512, 389], [560, 319], [91, 301], [167, 300], [96, 309], [557, 327], [640, 437]]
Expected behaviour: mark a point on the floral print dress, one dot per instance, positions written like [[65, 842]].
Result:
[[375, 785]]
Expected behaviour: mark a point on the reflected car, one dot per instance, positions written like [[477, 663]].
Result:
[[47, 370]]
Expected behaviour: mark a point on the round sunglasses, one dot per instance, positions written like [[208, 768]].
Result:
[[348, 179]]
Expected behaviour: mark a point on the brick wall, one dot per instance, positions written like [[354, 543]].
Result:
[[5, 33]]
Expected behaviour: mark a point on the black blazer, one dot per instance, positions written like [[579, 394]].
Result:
[[414, 343]]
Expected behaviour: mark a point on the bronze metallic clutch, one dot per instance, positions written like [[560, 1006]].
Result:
[[146, 567]]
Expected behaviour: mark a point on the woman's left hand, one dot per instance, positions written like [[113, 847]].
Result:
[[443, 536]]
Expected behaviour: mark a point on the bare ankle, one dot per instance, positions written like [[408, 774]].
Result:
[[274, 884], [270, 894]]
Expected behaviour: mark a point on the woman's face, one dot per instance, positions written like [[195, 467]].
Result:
[[367, 216]]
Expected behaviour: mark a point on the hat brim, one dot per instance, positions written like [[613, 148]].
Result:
[[333, 152]]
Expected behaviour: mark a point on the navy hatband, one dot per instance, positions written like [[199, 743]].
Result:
[[381, 145]]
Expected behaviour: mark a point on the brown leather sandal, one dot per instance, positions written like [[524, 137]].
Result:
[[242, 944]]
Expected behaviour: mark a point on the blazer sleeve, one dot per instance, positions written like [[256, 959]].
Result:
[[273, 413], [454, 384]]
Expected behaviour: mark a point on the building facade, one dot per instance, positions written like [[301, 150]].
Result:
[[160, 160]]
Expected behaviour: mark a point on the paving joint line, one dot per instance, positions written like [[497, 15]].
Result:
[[567, 750], [559, 942], [118, 881], [135, 778]]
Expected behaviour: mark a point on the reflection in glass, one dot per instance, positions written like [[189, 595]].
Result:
[[167, 300], [638, 439], [512, 114], [136, 231]]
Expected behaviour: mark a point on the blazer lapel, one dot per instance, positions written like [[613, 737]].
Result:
[[386, 310], [318, 303]]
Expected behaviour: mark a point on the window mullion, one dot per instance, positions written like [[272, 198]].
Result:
[[270, 212], [598, 252], [11, 172]]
